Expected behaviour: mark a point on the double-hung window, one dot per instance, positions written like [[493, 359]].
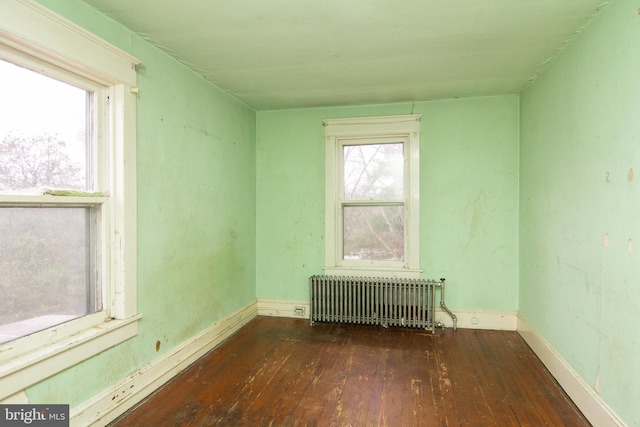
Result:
[[50, 246], [67, 195], [372, 196]]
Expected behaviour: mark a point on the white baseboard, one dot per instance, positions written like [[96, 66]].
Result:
[[113, 402], [585, 398], [501, 320], [467, 319], [278, 308]]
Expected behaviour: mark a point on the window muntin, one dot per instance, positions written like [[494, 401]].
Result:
[[372, 204]]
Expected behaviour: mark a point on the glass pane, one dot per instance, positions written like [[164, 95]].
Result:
[[45, 268], [373, 172], [43, 131], [374, 233]]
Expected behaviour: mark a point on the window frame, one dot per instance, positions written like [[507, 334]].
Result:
[[344, 202], [368, 130], [35, 37]]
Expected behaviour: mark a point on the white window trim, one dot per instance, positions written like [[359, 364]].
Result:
[[407, 126], [31, 29]]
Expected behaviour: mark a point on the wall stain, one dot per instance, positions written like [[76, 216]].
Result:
[[475, 209]]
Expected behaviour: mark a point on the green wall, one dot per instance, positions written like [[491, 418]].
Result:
[[469, 198], [535, 189], [196, 211], [580, 206]]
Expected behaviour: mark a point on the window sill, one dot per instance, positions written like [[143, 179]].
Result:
[[402, 273], [17, 330], [22, 371]]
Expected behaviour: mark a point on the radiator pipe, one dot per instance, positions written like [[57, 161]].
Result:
[[445, 308]]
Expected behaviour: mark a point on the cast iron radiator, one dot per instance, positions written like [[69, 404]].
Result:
[[377, 301]]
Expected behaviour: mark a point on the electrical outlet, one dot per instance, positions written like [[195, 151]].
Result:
[[298, 311]]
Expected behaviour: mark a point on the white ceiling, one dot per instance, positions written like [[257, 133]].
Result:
[[275, 54]]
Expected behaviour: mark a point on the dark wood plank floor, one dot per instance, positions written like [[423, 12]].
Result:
[[283, 372]]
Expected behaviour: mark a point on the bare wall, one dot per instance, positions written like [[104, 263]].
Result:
[[580, 206], [469, 198]]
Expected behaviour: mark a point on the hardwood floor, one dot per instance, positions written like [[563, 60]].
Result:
[[283, 372]]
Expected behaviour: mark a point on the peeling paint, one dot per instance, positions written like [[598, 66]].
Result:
[[630, 175], [605, 241]]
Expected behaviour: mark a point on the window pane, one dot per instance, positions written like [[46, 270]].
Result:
[[43, 131], [373, 172], [373, 233], [45, 268]]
